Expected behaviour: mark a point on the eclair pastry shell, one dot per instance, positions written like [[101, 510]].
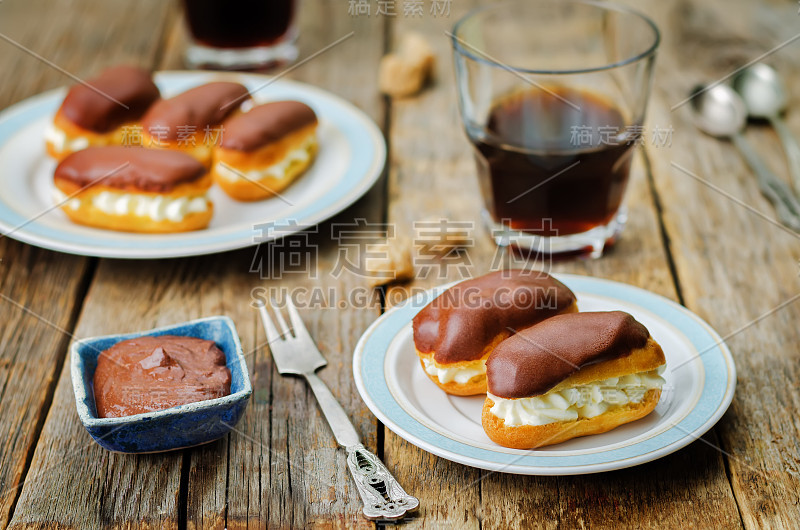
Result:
[[73, 132], [648, 357], [273, 153], [644, 359], [87, 214], [533, 436], [476, 385], [197, 147]]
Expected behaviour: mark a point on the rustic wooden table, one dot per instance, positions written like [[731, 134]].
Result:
[[706, 241]]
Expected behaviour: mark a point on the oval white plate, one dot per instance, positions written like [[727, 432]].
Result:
[[351, 156], [700, 380]]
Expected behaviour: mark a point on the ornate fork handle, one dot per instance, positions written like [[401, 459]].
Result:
[[297, 354], [383, 496]]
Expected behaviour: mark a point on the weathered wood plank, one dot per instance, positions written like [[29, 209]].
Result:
[[282, 466], [41, 292], [302, 476], [734, 266], [50, 283], [269, 470], [94, 487], [432, 174]]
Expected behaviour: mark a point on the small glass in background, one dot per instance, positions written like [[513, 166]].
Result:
[[553, 95], [241, 34]]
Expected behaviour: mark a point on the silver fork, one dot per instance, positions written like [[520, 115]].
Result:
[[297, 354]]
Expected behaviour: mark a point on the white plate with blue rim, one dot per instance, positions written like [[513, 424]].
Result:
[[351, 156], [700, 380]]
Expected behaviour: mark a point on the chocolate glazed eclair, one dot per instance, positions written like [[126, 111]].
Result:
[[265, 149], [96, 113], [456, 332], [571, 375], [191, 122], [134, 189]]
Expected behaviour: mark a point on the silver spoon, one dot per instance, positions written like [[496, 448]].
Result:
[[720, 112], [765, 96]]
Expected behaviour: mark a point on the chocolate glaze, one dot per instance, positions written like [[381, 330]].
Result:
[[466, 318], [156, 373], [205, 105], [95, 112], [157, 170], [538, 358], [265, 124]]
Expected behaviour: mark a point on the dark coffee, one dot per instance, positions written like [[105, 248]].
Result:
[[530, 137], [238, 23]]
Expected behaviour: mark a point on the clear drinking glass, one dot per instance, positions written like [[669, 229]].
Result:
[[241, 34], [553, 94]]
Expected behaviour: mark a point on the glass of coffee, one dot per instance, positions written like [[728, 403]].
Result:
[[553, 94], [241, 34]]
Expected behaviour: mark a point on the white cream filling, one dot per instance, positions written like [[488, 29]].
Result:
[[277, 171], [157, 208], [585, 401], [58, 139], [60, 198], [459, 374]]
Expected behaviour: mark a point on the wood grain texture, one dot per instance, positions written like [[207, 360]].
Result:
[[432, 174], [40, 294], [127, 40], [97, 488], [282, 467], [287, 470], [734, 266], [49, 285]]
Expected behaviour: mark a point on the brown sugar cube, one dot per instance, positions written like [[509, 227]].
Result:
[[404, 72], [389, 262], [416, 49]]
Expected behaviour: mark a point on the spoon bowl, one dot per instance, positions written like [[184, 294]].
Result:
[[762, 90], [765, 96], [718, 110]]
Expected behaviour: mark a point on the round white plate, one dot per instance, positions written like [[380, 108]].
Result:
[[700, 380], [351, 156]]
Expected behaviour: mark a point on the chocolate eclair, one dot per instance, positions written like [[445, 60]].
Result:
[[569, 376], [265, 149], [456, 332], [134, 189], [192, 121], [96, 113]]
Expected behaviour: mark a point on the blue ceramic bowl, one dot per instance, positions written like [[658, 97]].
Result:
[[168, 429]]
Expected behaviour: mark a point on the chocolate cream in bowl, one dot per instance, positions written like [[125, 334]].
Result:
[[147, 374]]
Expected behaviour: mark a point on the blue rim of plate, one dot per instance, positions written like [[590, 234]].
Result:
[[368, 159], [718, 389]]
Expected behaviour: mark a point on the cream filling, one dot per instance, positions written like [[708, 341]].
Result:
[[585, 401], [459, 374], [157, 208], [60, 198], [58, 139], [301, 154]]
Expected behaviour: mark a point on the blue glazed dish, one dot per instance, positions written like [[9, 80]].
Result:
[[168, 429]]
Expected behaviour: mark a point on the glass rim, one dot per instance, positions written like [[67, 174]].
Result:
[[607, 6]]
